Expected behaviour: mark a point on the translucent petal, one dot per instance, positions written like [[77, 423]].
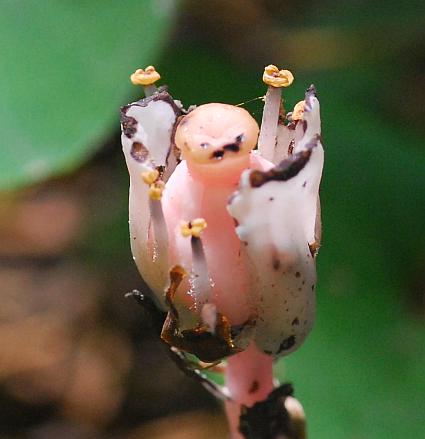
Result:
[[276, 215], [147, 129]]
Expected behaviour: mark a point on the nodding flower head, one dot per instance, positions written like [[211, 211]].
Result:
[[254, 265], [214, 133]]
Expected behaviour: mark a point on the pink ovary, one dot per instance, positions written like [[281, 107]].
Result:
[[187, 196]]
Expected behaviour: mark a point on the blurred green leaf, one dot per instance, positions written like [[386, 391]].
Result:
[[64, 73]]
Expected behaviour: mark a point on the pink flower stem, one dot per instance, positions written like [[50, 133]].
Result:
[[249, 379]]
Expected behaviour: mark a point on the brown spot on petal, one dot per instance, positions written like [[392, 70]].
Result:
[[284, 171], [291, 147], [129, 125], [286, 344], [139, 152]]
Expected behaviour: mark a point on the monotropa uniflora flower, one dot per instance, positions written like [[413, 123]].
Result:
[[225, 234]]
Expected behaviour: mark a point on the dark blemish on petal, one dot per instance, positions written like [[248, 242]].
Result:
[[276, 263], [296, 321], [129, 125], [204, 145], [291, 147], [139, 152], [271, 198], [304, 125], [254, 387], [297, 274], [267, 352], [300, 289], [286, 344], [303, 282], [305, 184], [312, 287], [285, 170], [239, 138]]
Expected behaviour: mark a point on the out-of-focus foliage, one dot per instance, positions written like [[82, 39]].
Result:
[[360, 374], [64, 72]]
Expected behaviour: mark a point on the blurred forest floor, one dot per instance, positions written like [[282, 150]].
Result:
[[79, 361]]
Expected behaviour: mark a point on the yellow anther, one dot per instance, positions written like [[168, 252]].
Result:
[[150, 177], [156, 189], [193, 228], [147, 76], [277, 78], [298, 112]]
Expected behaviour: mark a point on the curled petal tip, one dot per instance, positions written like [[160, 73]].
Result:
[[311, 91], [310, 94]]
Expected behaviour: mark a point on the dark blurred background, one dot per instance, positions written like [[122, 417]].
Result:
[[77, 359]]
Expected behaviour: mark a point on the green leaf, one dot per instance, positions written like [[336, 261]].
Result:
[[64, 72]]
